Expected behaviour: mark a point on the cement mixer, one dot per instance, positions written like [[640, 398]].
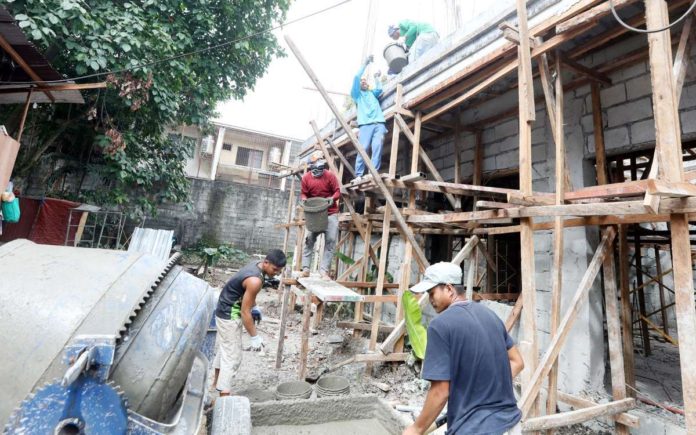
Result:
[[100, 342]]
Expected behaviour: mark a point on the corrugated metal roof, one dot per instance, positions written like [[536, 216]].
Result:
[[151, 241], [11, 72]]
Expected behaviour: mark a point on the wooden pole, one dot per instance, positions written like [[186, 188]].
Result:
[[405, 281], [386, 225], [25, 111], [528, 342], [626, 309], [284, 312], [377, 179], [367, 240], [661, 289], [555, 106], [291, 205], [668, 138], [304, 344], [458, 155], [529, 395], [616, 360], [285, 289], [578, 416], [598, 127]]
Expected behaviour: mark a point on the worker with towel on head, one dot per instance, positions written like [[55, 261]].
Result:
[[470, 361], [319, 182], [418, 37], [370, 118]]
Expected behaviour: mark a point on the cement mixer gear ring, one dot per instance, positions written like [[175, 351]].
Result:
[[88, 404], [41, 413]]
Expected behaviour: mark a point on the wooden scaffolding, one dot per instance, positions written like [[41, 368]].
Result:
[[477, 213]]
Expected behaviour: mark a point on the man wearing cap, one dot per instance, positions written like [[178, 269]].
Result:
[[370, 119], [319, 182], [470, 361], [418, 37]]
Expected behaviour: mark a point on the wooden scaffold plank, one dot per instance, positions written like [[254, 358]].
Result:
[[668, 138]]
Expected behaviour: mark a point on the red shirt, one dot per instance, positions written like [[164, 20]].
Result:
[[326, 186]]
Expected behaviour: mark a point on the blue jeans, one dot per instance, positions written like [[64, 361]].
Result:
[[371, 138]]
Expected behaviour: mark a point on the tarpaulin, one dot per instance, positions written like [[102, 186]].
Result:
[[43, 221]]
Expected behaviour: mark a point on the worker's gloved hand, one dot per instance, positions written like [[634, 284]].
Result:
[[369, 59], [378, 74], [256, 314], [271, 282], [256, 343]]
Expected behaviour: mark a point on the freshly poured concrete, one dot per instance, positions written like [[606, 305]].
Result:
[[370, 426], [344, 415]]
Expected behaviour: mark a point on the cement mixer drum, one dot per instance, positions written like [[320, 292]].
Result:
[[87, 332]]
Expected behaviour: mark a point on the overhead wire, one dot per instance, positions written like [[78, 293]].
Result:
[[635, 29], [179, 56]]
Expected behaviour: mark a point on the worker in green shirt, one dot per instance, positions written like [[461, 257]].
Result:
[[418, 37]]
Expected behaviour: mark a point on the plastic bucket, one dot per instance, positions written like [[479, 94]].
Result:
[[332, 386], [396, 57], [316, 215], [293, 390]]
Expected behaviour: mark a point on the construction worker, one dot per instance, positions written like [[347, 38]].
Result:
[[319, 182], [418, 37], [470, 361], [370, 118], [236, 308]]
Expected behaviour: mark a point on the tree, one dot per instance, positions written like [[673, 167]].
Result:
[[118, 138]]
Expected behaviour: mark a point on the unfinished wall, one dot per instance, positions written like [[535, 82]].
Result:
[[227, 212], [582, 364]]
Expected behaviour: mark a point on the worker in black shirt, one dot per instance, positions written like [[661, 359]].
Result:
[[236, 307]]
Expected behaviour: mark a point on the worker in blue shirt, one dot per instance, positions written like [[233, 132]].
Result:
[[370, 118], [470, 361]]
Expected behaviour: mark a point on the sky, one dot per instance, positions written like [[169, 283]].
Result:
[[332, 43]]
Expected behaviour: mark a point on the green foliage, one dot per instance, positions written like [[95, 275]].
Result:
[[417, 334], [373, 272], [344, 258], [212, 255], [118, 135]]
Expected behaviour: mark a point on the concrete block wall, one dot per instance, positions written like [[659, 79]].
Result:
[[582, 364], [627, 103], [227, 212]]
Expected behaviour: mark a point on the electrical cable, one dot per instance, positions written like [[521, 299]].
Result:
[[179, 56], [635, 29]]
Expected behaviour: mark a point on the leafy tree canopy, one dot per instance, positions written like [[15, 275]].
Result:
[[118, 136]]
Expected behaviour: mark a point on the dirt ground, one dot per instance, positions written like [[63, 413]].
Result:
[[397, 383], [258, 368]]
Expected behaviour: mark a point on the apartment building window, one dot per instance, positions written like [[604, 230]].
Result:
[[249, 157], [227, 147]]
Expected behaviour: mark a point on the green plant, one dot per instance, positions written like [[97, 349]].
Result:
[[118, 137], [417, 334], [212, 255]]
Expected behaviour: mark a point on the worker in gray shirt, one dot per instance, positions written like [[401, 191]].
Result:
[[470, 361], [237, 308]]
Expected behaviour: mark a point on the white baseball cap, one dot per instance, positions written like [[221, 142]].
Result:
[[439, 273]]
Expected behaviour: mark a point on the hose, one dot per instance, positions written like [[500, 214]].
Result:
[[635, 29]]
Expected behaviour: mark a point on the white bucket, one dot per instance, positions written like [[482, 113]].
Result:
[[396, 57]]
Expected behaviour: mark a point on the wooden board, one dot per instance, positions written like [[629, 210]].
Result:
[[329, 291]]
